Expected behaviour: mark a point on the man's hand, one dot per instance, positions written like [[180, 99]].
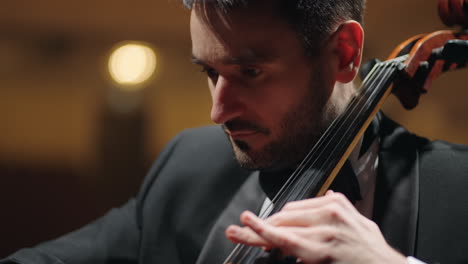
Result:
[[326, 229]]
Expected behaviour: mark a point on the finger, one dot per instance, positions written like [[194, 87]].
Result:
[[317, 235], [302, 218], [318, 202], [246, 236], [288, 242], [308, 250], [305, 204]]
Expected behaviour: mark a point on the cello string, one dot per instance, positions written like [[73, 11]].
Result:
[[348, 136], [307, 181], [303, 166], [341, 121], [331, 161], [365, 108]]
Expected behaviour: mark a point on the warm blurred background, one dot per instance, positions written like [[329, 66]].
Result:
[[74, 143]]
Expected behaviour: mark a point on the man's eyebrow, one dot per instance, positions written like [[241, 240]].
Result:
[[240, 60]]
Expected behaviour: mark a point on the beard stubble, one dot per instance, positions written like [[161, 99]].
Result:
[[300, 128]]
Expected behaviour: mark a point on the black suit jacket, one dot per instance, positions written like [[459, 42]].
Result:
[[195, 189]]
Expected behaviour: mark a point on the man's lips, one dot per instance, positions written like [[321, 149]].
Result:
[[238, 129], [241, 133]]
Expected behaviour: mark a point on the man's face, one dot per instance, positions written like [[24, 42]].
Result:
[[270, 98]]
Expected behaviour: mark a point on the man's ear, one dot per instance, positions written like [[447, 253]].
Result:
[[348, 44]]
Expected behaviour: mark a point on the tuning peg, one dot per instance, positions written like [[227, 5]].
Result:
[[454, 51]]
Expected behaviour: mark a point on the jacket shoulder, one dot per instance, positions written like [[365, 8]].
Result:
[[189, 185], [395, 136]]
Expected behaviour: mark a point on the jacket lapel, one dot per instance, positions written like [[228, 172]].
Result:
[[397, 191], [249, 197]]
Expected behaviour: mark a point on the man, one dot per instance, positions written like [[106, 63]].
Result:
[[279, 72]]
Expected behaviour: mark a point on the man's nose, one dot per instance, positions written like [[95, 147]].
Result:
[[227, 103]]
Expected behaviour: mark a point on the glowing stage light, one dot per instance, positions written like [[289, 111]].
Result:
[[132, 64]]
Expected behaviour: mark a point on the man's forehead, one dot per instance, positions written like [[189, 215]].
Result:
[[238, 39]]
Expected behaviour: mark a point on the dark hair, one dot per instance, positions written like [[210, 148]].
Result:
[[313, 20]]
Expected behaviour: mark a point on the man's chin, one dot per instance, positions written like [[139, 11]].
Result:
[[268, 156], [249, 158], [245, 160]]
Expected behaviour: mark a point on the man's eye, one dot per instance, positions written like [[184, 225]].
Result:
[[210, 72], [251, 72]]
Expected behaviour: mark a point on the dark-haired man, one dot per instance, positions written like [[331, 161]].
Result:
[[279, 71]]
